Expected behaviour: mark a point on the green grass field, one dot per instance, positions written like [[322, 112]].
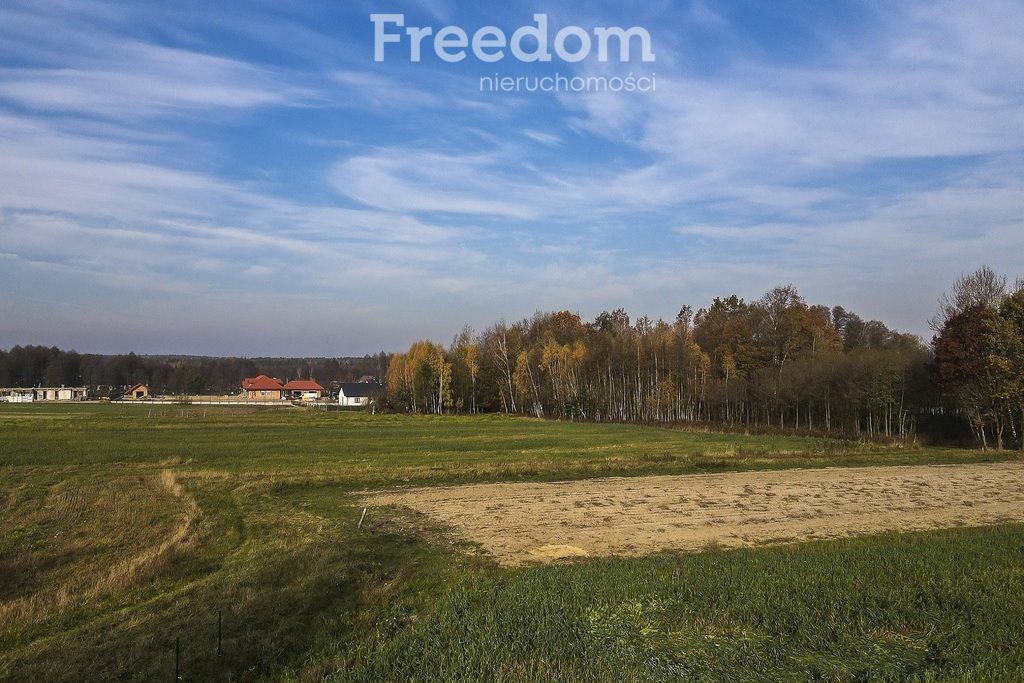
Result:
[[126, 527]]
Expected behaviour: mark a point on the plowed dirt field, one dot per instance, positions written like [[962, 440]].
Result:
[[523, 523]]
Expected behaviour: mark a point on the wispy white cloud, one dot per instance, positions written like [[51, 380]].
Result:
[[542, 137], [142, 79], [377, 90], [124, 223], [933, 82], [402, 180], [127, 138]]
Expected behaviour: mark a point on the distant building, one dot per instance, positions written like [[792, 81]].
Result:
[[32, 394], [304, 390], [263, 388], [358, 393], [138, 392]]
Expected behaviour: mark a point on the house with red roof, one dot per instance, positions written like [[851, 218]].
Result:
[[304, 390], [263, 388]]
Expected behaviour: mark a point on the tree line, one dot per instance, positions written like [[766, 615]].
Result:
[[109, 375], [773, 363]]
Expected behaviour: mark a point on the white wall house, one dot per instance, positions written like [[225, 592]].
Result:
[[31, 394], [354, 394]]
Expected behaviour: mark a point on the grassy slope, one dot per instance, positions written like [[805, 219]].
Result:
[[122, 529]]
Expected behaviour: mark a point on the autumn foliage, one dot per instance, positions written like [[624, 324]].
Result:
[[776, 362]]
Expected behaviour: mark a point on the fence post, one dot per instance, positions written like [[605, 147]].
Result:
[[219, 624], [177, 659]]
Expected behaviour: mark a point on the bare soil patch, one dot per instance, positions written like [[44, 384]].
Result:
[[524, 523]]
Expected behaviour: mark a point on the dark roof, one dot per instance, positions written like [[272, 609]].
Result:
[[360, 389]]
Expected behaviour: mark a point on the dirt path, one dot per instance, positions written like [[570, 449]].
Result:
[[521, 523]]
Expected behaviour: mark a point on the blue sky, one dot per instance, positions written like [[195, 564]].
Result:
[[244, 178]]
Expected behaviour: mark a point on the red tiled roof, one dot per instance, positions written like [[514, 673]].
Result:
[[303, 385], [262, 383]]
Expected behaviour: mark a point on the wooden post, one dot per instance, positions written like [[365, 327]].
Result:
[[361, 518]]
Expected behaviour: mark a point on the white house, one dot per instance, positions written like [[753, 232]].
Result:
[[31, 394], [358, 393]]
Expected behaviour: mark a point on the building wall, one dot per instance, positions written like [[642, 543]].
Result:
[[263, 394], [28, 395], [71, 394]]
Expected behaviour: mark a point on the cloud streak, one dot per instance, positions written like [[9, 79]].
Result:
[[218, 170]]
